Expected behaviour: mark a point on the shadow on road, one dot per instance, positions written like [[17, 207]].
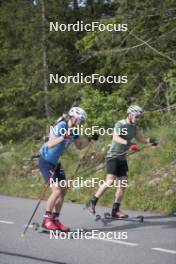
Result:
[[148, 221], [30, 257]]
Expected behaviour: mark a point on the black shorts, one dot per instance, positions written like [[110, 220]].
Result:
[[117, 167], [48, 168]]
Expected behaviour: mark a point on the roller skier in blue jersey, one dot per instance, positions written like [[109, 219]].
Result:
[[61, 136]]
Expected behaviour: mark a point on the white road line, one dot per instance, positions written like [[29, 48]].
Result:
[[165, 250], [117, 242], [29, 226], [6, 222]]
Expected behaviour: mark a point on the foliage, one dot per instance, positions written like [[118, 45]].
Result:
[[145, 53], [152, 173]]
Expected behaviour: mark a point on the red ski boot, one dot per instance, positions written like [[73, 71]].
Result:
[[59, 225], [48, 223]]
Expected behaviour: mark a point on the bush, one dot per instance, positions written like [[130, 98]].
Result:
[[15, 130]]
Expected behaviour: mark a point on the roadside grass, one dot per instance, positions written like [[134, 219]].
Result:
[[152, 173]]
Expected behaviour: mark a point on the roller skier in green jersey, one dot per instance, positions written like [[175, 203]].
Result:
[[124, 131]]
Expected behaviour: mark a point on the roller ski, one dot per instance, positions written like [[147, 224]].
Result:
[[50, 224], [121, 216], [44, 230], [90, 208], [40, 229]]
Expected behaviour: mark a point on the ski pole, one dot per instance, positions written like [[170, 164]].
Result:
[[41, 197], [102, 165], [127, 153], [79, 164]]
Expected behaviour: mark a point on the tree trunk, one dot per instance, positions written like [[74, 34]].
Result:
[[167, 100], [45, 65]]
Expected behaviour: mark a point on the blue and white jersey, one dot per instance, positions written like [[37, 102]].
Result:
[[53, 154]]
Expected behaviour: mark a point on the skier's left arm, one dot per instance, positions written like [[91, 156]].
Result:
[[84, 142], [142, 139]]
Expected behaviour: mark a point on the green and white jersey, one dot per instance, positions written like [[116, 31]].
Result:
[[125, 131]]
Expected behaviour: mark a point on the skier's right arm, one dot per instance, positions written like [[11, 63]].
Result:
[[57, 134], [53, 141], [116, 135], [119, 139]]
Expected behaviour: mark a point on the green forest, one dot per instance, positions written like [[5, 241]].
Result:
[[145, 53]]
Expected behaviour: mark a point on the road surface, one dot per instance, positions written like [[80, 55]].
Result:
[[153, 241]]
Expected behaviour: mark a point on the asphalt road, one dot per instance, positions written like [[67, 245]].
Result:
[[153, 241]]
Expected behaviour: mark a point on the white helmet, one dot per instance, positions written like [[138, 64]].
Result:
[[135, 110], [78, 112]]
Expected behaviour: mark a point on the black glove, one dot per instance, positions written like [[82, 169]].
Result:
[[153, 141], [46, 138], [93, 137]]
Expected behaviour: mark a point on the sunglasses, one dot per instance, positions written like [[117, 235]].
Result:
[[137, 116]]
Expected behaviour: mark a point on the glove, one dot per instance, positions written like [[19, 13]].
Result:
[[67, 135], [134, 147], [46, 138], [93, 137], [153, 141]]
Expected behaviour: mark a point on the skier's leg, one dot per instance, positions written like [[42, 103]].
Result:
[[108, 183]]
